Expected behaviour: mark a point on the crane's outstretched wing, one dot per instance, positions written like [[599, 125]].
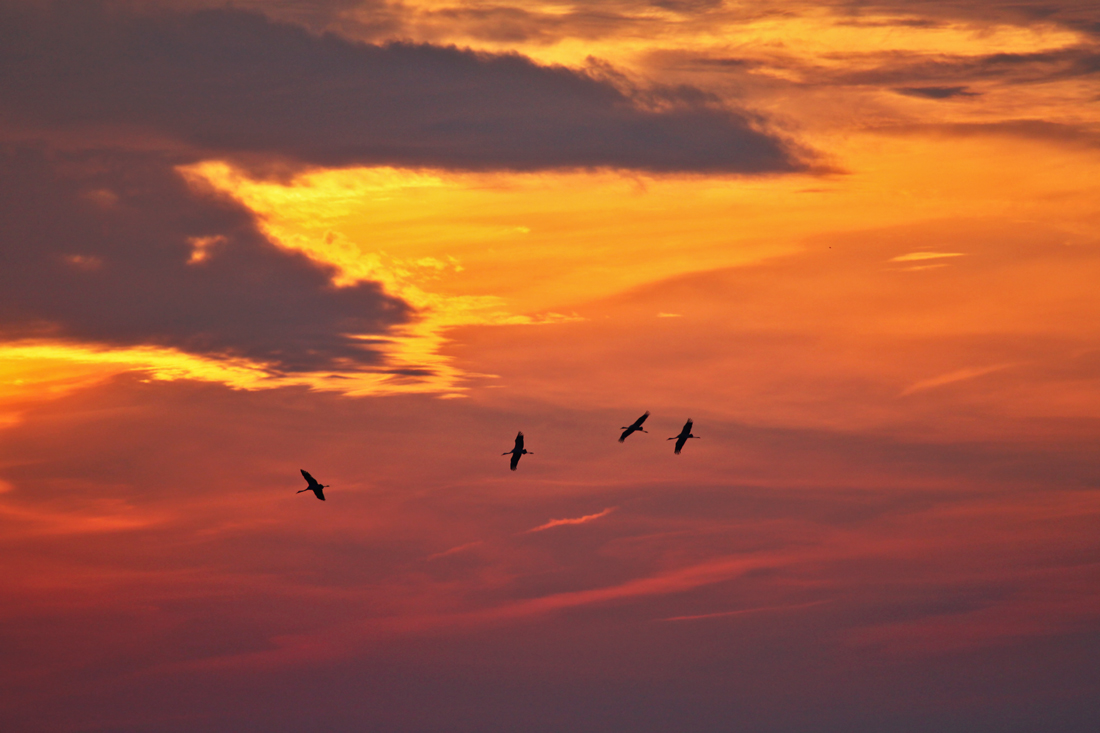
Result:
[[680, 443], [320, 493], [307, 477], [519, 441], [687, 428], [515, 460], [634, 427]]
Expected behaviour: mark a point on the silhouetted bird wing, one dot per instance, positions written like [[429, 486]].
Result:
[[307, 477], [320, 493], [680, 443], [633, 427], [515, 460], [687, 428], [519, 442]]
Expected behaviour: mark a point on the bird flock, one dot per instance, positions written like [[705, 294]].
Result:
[[518, 451]]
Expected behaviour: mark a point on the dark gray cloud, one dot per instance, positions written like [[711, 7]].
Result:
[[492, 20], [1054, 132], [1002, 68], [936, 92], [115, 248], [365, 20], [102, 240], [503, 23], [935, 76], [588, 18], [1082, 15], [513, 20], [233, 82]]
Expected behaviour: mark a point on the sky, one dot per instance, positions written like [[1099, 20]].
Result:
[[856, 242]]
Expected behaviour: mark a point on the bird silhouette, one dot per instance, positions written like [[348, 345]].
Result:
[[633, 427], [517, 451], [683, 436], [315, 487]]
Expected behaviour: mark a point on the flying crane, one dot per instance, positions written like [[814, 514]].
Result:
[[683, 436], [315, 487], [634, 427], [517, 451]]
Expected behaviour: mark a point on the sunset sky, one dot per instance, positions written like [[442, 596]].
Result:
[[858, 243]]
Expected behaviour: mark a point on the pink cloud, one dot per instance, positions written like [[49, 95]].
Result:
[[456, 550], [577, 520]]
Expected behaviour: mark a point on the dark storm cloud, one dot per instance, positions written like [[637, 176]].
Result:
[[233, 82], [115, 248]]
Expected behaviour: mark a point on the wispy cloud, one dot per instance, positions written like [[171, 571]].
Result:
[[577, 520], [455, 550], [951, 377], [743, 611], [103, 517], [917, 256]]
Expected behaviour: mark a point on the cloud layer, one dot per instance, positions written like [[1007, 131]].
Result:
[[114, 248], [232, 82]]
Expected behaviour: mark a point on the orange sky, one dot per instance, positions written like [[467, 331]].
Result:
[[884, 325]]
